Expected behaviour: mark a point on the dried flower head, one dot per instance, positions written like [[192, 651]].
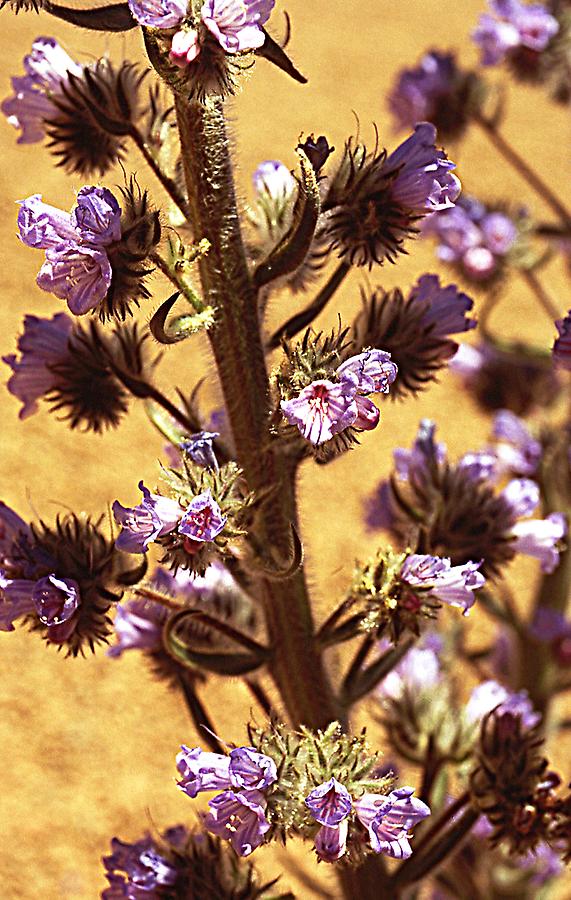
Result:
[[415, 330], [375, 200]]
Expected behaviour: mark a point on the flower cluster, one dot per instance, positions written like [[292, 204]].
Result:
[[375, 200], [62, 580], [437, 91], [85, 111], [93, 255], [74, 368], [415, 329], [205, 511], [471, 521], [325, 407], [283, 791], [515, 30], [479, 241]]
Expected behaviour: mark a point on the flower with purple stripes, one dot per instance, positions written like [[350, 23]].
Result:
[[43, 344], [159, 13], [237, 24], [154, 517], [251, 770], [438, 578], [329, 803], [238, 818], [389, 820], [201, 770]]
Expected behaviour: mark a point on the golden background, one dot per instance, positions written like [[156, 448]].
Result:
[[87, 746]]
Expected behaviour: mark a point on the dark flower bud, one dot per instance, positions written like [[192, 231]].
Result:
[[23, 5], [94, 113], [317, 151]]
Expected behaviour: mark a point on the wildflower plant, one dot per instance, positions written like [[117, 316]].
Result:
[[230, 596]]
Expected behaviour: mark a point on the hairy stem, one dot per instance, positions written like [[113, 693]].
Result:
[[167, 182], [534, 180], [296, 664]]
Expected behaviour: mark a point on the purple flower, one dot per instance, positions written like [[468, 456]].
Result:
[[517, 450], [322, 409], [142, 524], [329, 803], [418, 671], [97, 216], [545, 862], [140, 870], [12, 527], [185, 47], [454, 585], [562, 345], [489, 694], [542, 539], [138, 626], [47, 69], [390, 819], [446, 307], [274, 180], [373, 369], [523, 496], [251, 770], [499, 233], [200, 448], [202, 519], [236, 24], [159, 13], [481, 465], [514, 24], [421, 92], [42, 226], [423, 181], [15, 600], [56, 599], [202, 771], [331, 841], [43, 344], [79, 275], [53, 599], [239, 818], [414, 464]]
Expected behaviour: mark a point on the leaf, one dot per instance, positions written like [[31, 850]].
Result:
[[275, 54], [116, 17]]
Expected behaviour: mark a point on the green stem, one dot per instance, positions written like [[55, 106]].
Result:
[[530, 175], [167, 182], [296, 664]]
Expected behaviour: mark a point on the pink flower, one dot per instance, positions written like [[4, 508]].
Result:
[[322, 409], [236, 24]]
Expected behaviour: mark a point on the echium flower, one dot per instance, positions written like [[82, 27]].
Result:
[[480, 241], [375, 201], [202, 49], [321, 786], [437, 91], [416, 330], [177, 865], [490, 695], [515, 31], [61, 580], [69, 366], [337, 402], [502, 378], [205, 510], [395, 592], [95, 256], [84, 111], [275, 189], [462, 516]]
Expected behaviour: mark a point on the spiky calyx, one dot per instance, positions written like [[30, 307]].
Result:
[[96, 111], [452, 515], [227, 489], [129, 257], [316, 356], [305, 759], [77, 548], [397, 324], [86, 388]]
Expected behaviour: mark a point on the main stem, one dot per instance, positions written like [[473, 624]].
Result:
[[297, 666]]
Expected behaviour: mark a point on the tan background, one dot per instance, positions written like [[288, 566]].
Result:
[[87, 746]]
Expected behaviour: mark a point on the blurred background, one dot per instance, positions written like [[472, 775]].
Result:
[[89, 745]]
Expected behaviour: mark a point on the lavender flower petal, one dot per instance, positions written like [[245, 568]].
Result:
[[77, 274], [203, 519], [542, 539], [251, 770], [96, 217], [322, 409], [43, 226], [374, 370], [331, 841], [202, 771], [142, 524], [239, 818], [43, 344], [423, 181], [159, 13], [329, 803], [236, 24]]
